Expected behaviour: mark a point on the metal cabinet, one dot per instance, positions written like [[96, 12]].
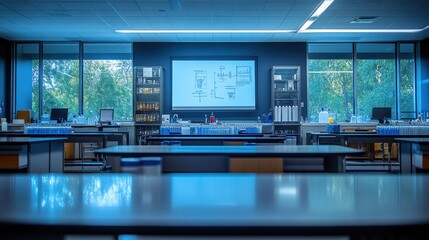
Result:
[[286, 100]]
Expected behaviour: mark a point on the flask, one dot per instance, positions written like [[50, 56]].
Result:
[[45, 118], [276, 114], [321, 115], [284, 114], [295, 113], [419, 117]]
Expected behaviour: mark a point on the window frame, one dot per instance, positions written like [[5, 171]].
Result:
[[40, 58], [397, 58]]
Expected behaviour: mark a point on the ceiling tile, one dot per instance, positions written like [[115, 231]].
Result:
[[73, 19]]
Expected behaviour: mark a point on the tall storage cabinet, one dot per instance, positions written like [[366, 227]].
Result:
[[148, 82], [286, 100]]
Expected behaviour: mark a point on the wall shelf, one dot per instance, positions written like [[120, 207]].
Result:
[[148, 81]]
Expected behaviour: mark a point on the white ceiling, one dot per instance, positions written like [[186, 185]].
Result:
[[97, 20]]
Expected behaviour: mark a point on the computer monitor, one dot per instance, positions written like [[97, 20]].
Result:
[[381, 113], [59, 114], [106, 115]]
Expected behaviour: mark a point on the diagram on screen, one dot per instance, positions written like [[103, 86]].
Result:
[[244, 76], [225, 82], [214, 84], [200, 84]]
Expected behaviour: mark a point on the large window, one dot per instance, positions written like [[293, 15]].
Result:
[[53, 79], [351, 82], [375, 78], [330, 80], [107, 80], [60, 77], [407, 69]]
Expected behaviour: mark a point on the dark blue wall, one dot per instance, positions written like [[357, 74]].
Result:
[[268, 55], [424, 91], [24, 81], [5, 49]]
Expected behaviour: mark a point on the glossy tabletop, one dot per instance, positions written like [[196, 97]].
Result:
[[253, 150], [98, 136], [215, 137], [21, 133], [361, 137], [210, 204]]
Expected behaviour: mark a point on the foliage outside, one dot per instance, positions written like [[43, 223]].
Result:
[[107, 84], [330, 85]]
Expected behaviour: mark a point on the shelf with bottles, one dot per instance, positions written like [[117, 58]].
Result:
[[148, 90], [148, 82], [148, 75], [147, 118], [147, 106], [286, 113], [285, 86]]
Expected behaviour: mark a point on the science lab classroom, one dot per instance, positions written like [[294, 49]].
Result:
[[214, 119]]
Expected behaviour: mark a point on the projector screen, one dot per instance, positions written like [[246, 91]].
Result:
[[213, 84]]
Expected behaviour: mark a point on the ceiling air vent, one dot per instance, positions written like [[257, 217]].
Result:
[[365, 19]]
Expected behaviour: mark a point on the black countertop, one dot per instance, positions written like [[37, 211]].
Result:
[[253, 150], [24, 140], [416, 139]]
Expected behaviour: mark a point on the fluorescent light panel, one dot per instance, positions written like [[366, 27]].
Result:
[[275, 31], [361, 31], [319, 10], [205, 31], [325, 4]]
